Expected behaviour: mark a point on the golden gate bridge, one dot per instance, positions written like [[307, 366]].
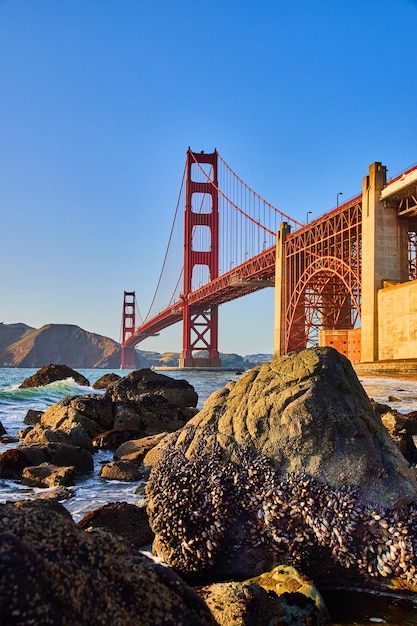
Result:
[[226, 241]]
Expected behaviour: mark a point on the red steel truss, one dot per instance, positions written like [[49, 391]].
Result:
[[322, 286], [322, 275]]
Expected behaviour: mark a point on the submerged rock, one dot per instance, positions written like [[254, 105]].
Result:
[[50, 374]]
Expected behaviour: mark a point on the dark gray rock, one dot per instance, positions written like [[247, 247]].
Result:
[[50, 374], [112, 439], [33, 417], [145, 381], [104, 381], [53, 572], [129, 521], [14, 460]]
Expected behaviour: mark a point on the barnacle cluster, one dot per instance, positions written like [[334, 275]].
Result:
[[201, 507]]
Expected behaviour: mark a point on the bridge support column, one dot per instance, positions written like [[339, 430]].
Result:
[[128, 328], [384, 255], [200, 328], [280, 292]]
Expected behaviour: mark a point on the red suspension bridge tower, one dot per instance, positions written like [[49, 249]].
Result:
[[128, 329], [200, 327], [342, 267]]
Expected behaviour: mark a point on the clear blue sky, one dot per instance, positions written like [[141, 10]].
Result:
[[100, 100]]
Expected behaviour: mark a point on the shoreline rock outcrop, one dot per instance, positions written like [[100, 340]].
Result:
[[143, 402], [290, 464], [53, 572], [50, 374]]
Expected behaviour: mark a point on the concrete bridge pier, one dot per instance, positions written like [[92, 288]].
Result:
[[384, 255], [280, 291]]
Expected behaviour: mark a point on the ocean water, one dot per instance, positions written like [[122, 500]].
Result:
[[91, 492]]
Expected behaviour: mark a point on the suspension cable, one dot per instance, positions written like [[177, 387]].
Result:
[[256, 194], [216, 187], [168, 245]]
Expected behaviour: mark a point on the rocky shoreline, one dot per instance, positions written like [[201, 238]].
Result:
[[285, 483]]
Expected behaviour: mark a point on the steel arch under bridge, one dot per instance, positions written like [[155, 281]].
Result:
[[318, 270]]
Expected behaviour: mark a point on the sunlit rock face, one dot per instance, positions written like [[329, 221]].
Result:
[[289, 462]]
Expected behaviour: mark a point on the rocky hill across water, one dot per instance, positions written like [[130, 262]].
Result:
[[24, 346]]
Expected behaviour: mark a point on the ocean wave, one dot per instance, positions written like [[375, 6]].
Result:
[[46, 394]]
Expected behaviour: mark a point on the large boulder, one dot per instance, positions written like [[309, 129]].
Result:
[[129, 521], [137, 449], [145, 381], [104, 381], [15, 460], [75, 420], [290, 464], [150, 414], [47, 475], [51, 373], [53, 572]]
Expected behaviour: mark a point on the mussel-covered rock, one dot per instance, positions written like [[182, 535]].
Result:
[[53, 572], [290, 464]]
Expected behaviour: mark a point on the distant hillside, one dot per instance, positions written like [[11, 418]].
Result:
[[9, 333], [65, 344], [260, 357], [170, 359], [57, 343]]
